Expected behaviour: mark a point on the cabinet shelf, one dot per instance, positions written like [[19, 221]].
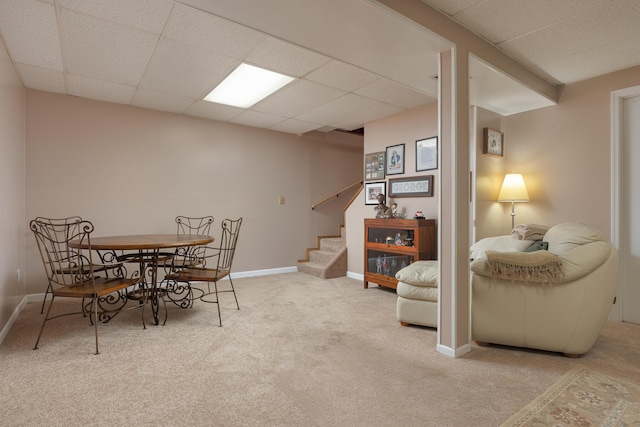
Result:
[[391, 244]]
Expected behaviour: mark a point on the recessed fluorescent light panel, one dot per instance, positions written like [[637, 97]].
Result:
[[247, 85]]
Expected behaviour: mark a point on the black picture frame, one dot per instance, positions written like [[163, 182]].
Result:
[[427, 154], [371, 191], [394, 159]]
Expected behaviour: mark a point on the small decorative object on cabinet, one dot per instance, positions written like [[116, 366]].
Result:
[[392, 244]]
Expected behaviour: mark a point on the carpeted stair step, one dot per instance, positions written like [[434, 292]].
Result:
[[328, 261]]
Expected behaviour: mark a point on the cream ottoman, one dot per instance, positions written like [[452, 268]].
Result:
[[418, 294]]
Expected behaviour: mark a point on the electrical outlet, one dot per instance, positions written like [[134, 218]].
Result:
[[281, 200]]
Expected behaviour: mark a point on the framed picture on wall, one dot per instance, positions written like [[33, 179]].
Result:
[[374, 166], [415, 186], [372, 190], [492, 142], [427, 154], [395, 159]]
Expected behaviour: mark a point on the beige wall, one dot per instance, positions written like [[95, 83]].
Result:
[[564, 155], [12, 194], [403, 128], [132, 170]]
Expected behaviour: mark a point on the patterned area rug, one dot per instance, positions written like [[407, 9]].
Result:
[[583, 398]]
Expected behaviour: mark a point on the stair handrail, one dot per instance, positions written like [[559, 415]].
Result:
[[336, 194]]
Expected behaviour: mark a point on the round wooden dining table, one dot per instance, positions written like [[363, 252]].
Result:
[[148, 247]]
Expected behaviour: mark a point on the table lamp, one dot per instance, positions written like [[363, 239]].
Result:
[[513, 190]]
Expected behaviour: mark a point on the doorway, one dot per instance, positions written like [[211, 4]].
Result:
[[626, 199]]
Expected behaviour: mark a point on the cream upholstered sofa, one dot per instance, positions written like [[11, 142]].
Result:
[[565, 315], [417, 290]]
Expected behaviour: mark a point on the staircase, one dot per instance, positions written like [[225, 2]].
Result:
[[328, 260]]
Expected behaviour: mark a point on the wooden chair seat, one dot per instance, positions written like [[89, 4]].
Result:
[[199, 274], [103, 286]]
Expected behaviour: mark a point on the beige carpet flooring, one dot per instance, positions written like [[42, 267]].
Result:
[[301, 351]]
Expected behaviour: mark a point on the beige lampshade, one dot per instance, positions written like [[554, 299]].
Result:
[[513, 189]]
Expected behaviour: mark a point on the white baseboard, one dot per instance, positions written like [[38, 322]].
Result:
[[453, 352], [353, 275], [14, 316]]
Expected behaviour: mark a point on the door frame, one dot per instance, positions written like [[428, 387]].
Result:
[[617, 100]]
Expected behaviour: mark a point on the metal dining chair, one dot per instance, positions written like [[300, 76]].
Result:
[[61, 224], [214, 266], [71, 273]]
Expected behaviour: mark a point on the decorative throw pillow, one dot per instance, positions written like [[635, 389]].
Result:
[[529, 231], [420, 273], [538, 245]]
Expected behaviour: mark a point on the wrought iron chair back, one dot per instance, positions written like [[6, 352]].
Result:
[[216, 265], [191, 255], [71, 273]]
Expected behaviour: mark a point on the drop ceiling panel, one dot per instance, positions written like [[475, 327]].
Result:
[[296, 98], [342, 76], [161, 101], [208, 32], [211, 110], [99, 89], [286, 58], [104, 50], [500, 20], [595, 28], [393, 93], [355, 60], [257, 119], [30, 32], [351, 121], [335, 111], [146, 15], [186, 70], [41, 78], [594, 62], [294, 126]]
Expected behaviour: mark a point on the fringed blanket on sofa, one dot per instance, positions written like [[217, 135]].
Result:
[[528, 267]]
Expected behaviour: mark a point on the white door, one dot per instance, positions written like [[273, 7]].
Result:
[[630, 211]]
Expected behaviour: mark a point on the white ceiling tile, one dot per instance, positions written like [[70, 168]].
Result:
[[161, 101], [358, 118], [342, 76], [30, 32], [596, 27], [257, 119], [336, 110], [41, 78], [296, 98], [214, 111], [206, 31], [286, 58], [100, 90], [104, 50], [393, 93], [147, 15], [595, 62], [185, 70], [500, 20], [294, 126]]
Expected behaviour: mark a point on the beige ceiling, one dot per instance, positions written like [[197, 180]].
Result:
[[354, 60]]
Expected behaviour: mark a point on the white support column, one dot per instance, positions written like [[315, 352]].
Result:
[[454, 329]]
